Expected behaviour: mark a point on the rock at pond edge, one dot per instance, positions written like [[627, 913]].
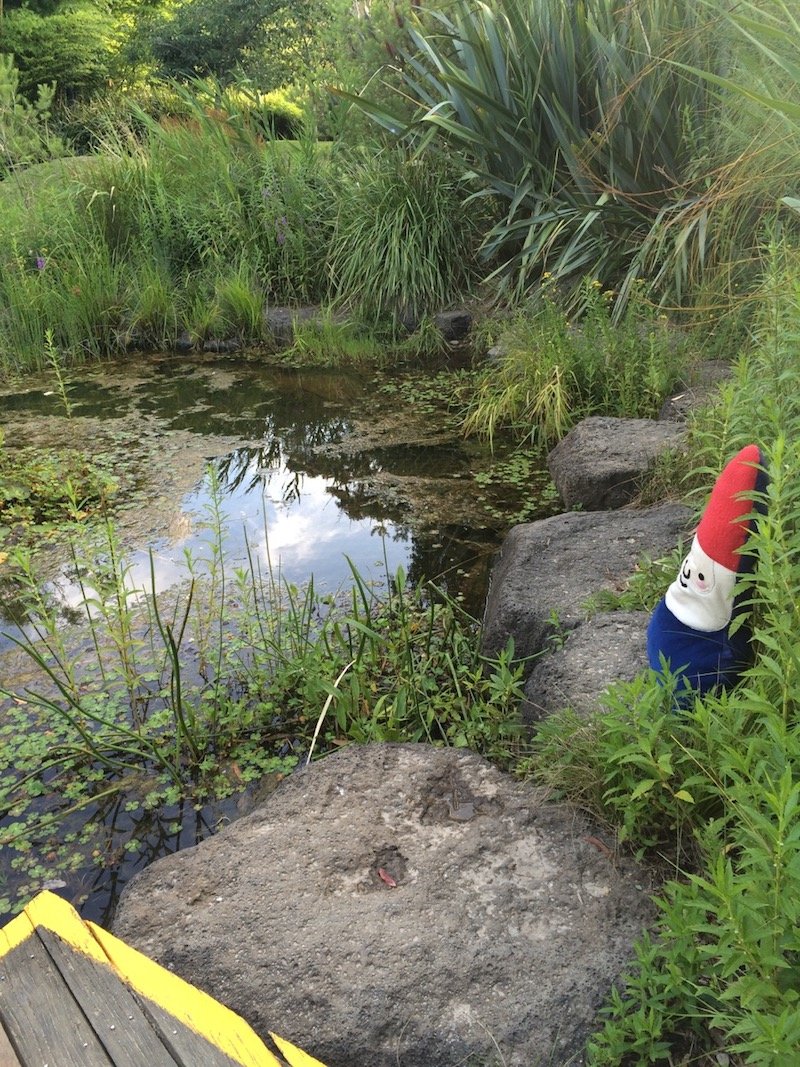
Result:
[[399, 904]]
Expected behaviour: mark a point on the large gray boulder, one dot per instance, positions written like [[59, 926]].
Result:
[[508, 923], [547, 569], [601, 463], [608, 648]]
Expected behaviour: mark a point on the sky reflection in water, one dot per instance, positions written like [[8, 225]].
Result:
[[297, 534]]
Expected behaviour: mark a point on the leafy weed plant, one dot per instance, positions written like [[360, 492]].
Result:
[[552, 371], [715, 788]]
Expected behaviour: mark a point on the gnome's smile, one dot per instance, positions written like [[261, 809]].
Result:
[[702, 594]]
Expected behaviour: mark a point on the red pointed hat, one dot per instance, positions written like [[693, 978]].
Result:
[[725, 523]]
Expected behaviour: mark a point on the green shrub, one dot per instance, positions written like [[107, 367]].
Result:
[[274, 114], [552, 371], [70, 47], [25, 135], [404, 247]]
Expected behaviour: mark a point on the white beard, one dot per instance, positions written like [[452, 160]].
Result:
[[702, 594]]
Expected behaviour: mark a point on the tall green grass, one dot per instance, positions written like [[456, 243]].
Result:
[[550, 371], [404, 247], [193, 224]]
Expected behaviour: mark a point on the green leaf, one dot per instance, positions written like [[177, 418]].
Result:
[[643, 787]]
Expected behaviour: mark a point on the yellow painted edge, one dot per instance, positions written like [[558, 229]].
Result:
[[189, 1005], [50, 912], [294, 1055], [14, 933]]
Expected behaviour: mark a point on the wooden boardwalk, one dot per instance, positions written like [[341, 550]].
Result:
[[73, 995]]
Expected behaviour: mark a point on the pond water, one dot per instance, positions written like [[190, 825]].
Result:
[[308, 471]]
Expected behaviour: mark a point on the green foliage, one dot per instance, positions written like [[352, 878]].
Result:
[[552, 371], [715, 787], [334, 341], [37, 489], [759, 402], [89, 125], [359, 48], [573, 120], [403, 247], [194, 219], [68, 282], [278, 113], [71, 47], [241, 303], [196, 38], [210, 192], [25, 135]]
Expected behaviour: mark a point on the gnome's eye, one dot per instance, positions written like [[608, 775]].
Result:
[[701, 576]]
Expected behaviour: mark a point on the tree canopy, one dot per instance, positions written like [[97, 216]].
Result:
[[222, 37]]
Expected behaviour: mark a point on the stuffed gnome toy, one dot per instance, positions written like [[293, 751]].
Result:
[[689, 631]]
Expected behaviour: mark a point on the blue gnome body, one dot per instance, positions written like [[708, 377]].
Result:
[[705, 659], [690, 629]]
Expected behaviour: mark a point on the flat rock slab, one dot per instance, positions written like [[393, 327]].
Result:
[[601, 463], [608, 648], [507, 924], [547, 569]]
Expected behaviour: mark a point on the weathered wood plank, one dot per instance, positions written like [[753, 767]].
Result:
[[187, 1046], [8, 1057], [112, 1011], [42, 1020], [73, 995], [190, 1022], [88, 976]]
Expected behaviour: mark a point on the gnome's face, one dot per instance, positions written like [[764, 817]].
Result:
[[702, 594]]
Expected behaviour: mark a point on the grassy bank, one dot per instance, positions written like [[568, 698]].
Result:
[[196, 227], [714, 790]]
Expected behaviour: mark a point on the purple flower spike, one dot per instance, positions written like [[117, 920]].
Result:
[[281, 237], [40, 262]]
